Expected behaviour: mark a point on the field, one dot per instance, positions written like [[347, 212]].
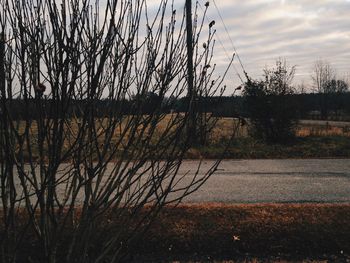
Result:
[[305, 128], [314, 139]]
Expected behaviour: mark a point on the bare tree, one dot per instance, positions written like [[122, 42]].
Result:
[[329, 87], [322, 74], [64, 167], [279, 79], [347, 78], [337, 88]]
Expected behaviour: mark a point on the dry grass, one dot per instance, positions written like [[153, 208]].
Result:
[[314, 130], [221, 233], [225, 126], [314, 139], [249, 233], [223, 129]]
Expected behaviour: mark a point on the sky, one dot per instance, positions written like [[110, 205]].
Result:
[[262, 31], [301, 31]]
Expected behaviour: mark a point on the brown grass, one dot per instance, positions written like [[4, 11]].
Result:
[[218, 232], [314, 130], [314, 140], [249, 233], [224, 128]]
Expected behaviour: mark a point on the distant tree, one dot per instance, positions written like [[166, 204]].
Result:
[[322, 74], [301, 88], [336, 88], [168, 104], [146, 103], [328, 87], [272, 114]]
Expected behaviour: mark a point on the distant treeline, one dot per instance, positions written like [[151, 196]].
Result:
[[306, 105]]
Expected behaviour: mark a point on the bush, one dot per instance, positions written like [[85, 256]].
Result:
[[272, 113]]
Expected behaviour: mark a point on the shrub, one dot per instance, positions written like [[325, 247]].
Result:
[[272, 113]]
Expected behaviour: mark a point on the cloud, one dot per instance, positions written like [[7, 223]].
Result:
[[302, 31]]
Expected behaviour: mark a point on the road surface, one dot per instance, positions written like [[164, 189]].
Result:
[[265, 181]]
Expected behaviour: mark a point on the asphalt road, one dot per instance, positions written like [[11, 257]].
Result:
[[265, 181]]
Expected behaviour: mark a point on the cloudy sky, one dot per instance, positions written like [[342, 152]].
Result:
[[301, 31]]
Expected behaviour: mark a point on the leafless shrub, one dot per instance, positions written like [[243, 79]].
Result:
[[63, 167]]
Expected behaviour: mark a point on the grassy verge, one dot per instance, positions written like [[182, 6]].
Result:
[[222, 232], [302, 147], [239, 232]]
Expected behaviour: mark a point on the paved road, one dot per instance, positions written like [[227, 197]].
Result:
[[264, 181], [257, 181]]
